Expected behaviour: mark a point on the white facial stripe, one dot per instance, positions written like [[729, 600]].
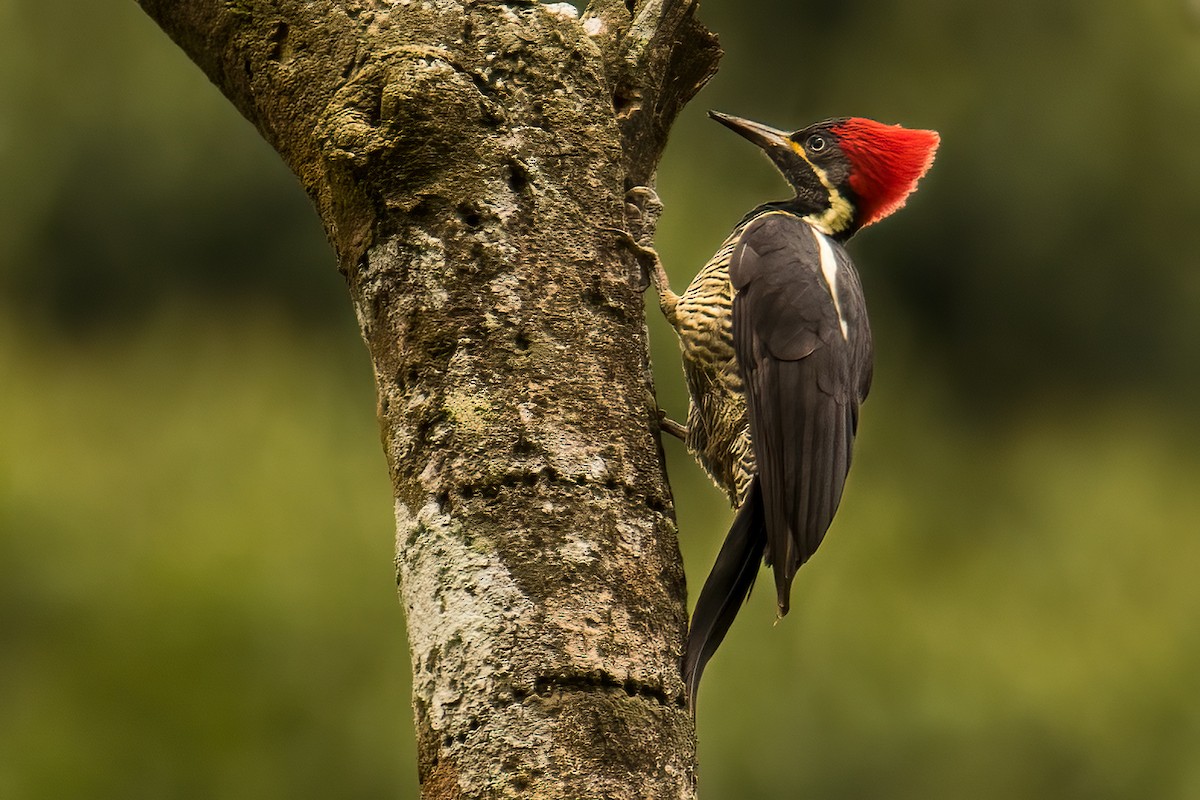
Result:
[[829, 271], [839, 215], [835, 218]]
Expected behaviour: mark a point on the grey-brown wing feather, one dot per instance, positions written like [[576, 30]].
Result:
[[804, 379]]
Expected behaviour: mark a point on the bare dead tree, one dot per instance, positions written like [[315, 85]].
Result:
[[470, 161]]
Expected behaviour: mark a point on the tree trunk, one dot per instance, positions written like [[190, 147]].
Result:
[[470, 162]]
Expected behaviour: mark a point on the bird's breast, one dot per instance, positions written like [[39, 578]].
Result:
[[718, 429]]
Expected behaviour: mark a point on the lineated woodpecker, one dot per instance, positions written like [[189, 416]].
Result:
[[777, 352]]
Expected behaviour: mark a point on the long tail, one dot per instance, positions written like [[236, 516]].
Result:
[[727, 587]]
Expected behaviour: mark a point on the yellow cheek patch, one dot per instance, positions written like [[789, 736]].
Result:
[[840, 213]]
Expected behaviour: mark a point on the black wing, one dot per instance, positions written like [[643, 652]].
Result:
[[806, 363]]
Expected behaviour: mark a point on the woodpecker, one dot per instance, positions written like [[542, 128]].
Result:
[[777, 352]]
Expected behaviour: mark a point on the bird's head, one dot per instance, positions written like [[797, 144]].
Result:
[[847, 173]]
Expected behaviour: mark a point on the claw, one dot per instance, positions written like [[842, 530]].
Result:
[[646, 257], [652, 272], [643, 208]]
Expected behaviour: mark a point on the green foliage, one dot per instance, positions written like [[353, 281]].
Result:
[[196, 594]]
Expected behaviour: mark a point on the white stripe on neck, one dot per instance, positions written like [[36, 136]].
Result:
[[829, 270]]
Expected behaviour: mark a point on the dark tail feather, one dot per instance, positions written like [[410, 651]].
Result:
[[727, 587]]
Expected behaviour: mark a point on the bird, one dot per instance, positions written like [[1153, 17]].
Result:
[[777, 353]]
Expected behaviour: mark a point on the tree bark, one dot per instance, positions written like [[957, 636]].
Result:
[[470, 162]]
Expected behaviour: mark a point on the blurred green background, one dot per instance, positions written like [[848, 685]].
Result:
[[196, 593]]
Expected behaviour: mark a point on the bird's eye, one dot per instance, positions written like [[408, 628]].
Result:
[[816, 143]]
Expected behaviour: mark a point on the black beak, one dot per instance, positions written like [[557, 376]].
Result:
[[764, 136]]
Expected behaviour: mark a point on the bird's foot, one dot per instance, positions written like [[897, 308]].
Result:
[[646, 256], [642, 210], [652, 271]]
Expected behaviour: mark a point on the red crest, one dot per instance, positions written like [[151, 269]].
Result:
[[886, 163]]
